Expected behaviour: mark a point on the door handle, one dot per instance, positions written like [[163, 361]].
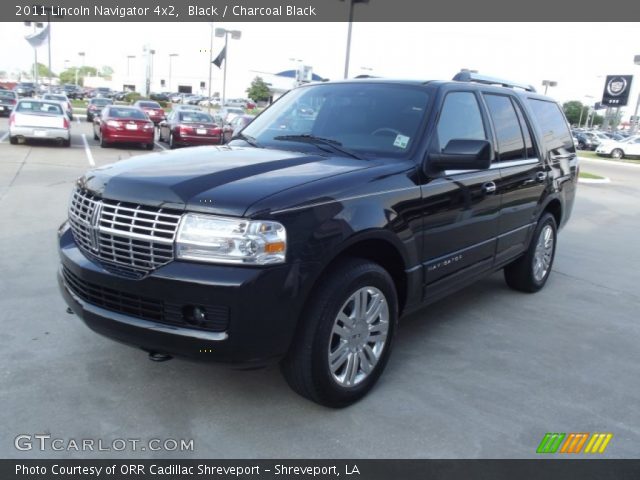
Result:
[[541, 176], [489, 188]]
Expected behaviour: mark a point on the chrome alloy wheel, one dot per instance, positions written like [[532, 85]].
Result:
[[358, 336], [543, 254]]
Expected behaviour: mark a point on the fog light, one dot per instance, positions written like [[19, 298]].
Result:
[[194, 315]]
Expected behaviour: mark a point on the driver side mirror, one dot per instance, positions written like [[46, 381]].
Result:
[[462, 154]]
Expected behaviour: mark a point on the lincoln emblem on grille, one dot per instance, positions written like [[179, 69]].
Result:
[[95, 226]]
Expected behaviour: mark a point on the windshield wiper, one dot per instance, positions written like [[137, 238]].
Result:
[[250, 140], [317, 141]]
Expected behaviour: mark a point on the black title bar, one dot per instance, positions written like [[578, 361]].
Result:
[[546, 469]]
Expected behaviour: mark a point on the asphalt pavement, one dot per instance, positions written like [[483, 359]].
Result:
[[483, 374]]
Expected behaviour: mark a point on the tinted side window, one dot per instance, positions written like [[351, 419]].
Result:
[[460, 118], [507, 126], [555, 131], [526, 132]]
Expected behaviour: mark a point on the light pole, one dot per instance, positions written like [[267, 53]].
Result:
[[582, 109], [81, 55], [171, 56], [348, 54], [235, 35], [36, 25], [129, 57], [634, 124], [548, 83]]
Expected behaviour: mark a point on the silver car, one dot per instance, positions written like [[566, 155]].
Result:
[[40, 119]]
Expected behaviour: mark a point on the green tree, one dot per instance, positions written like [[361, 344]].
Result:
[[43, 71], [572, 111], [259, 90], [106, 71], [69, 75]]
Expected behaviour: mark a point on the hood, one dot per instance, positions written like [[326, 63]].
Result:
[[219, 180]]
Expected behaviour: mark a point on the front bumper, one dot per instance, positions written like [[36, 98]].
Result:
[[262, 306]]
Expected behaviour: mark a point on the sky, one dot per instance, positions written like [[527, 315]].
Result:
[[576, 55]]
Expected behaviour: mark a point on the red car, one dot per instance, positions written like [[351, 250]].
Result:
[[153, 109], [190, 127], [123, 125]]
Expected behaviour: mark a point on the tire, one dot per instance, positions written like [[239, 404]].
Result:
[[103, 144], [172, 143], [13, 140], [89, 118], [526, 274], [66, 143], [581, 146], [149, 146], [95, 136], [617, 153], [307, 365]]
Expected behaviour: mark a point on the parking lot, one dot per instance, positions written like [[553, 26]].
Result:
[[483, 374]]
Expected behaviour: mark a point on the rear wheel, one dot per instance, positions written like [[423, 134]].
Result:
[[530, 272], [345, 334], [172, 143], [66, 143], [617, 153], [95, 136], [13, 140], [149, 146]]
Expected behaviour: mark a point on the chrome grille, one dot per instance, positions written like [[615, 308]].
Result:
[[125, 237]]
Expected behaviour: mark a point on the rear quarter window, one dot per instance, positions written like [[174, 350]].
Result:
[[553, 125]]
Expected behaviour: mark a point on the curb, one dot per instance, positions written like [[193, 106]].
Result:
[[594, 180], [609, 161]]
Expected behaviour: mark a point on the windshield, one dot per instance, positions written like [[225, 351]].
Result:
[[364, 117], [119, 112], [195, 117], [149, 105], [101, 101], [7, 94], [39, 107]]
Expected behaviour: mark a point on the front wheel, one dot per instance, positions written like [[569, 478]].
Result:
[[345, 334], [617, 153], [530, 272]]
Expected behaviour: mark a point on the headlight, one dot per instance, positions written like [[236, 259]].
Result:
[[207, 238]]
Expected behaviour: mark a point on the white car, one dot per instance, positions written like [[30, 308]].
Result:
[[39, 119], [629, 147]]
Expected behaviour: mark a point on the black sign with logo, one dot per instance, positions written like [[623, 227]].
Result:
[[616, 90]]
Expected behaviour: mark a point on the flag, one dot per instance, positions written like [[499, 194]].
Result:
[[221, 56], [38, 38]]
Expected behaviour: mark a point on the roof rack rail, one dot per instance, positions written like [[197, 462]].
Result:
[[467, 76]]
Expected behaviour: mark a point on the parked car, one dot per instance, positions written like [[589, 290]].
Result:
[[586, 141], [237, 124], [39, 120], [8, 100], [153, 109], [119, 124], [305, 244], [95, 106], [189, 127], [629, 147], [159, 97], [25, 89], [102, 92], [64, 101], [188, 108], [229, 113], [209, 102], [73, 92]]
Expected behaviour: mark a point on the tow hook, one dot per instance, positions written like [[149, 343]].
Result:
[[159, 357]]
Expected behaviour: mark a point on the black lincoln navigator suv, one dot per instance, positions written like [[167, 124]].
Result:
[[342, 207]]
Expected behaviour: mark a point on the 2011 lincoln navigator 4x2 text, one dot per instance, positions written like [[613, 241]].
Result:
[[340, 208]]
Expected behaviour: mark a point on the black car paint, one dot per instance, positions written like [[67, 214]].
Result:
[[437, 231]]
